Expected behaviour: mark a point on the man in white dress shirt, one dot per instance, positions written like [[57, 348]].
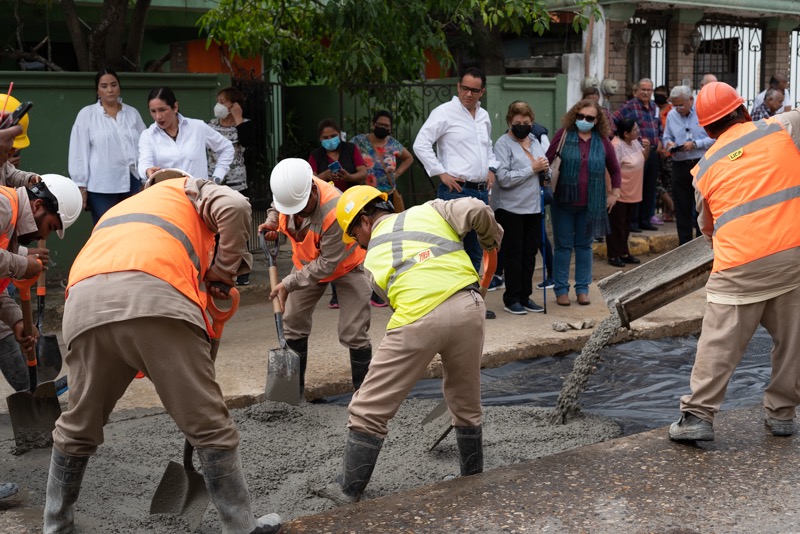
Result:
[[464, 160], [777, 81]]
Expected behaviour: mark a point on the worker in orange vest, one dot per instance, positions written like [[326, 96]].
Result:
[[748, 199], [304, 209], [136, 299]]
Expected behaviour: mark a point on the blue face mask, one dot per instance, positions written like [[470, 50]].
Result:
[[584, 126], [331, 144]]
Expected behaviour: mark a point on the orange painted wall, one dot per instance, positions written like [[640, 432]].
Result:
[[213, 60]]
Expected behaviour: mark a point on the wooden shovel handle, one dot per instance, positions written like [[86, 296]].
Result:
[[273, 283]]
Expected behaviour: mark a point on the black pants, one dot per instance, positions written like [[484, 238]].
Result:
[[683, 197], [521, 239], [620, 220], [645, 209]]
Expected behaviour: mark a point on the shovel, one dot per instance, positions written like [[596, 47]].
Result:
[[33, 413], [283, 364], [48, 363], [438, 421], [182, 490]]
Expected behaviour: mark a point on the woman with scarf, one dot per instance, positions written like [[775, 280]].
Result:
[[580, 207]]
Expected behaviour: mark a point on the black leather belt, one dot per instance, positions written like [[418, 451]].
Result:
[[688, 161], [477, 186]]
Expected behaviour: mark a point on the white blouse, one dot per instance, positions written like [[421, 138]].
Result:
[[103, 150], [187, 152]]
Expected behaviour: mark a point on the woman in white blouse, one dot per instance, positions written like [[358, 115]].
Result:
[[175, 141], [103, 148]]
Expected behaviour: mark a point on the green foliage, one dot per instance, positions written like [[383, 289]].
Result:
[[346, 42]]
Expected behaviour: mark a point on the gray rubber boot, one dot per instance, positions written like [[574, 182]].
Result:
[[7, 489], [12, 364], [300, 346], [222, 470], [359, 365], [63, 488], [360, 454], [470, 449]]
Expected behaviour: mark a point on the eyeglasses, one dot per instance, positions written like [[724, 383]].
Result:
[[387, 126], [587, 118], [351, 232], [472, 90]]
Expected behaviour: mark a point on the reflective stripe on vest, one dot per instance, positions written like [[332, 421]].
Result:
[[752, 188], [158, 232], [5, 239], [308, 250], [419, 261]]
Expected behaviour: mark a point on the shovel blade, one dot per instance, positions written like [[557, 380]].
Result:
[[437, 425], [33, 416], [283, 377], [182, 493], [48, 354]]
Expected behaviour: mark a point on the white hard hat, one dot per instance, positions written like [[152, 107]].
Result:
[[166, 174], [291, 185], [67, 195]]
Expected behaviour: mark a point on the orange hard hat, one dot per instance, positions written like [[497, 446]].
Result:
[[716, 100]]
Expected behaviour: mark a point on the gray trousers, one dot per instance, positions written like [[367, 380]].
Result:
[[12, 364]]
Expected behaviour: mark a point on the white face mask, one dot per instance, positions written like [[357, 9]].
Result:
[[220, 111]]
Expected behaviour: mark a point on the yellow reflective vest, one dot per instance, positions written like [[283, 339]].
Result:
[[419, 261]]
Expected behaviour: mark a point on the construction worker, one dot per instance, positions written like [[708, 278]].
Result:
[[303, 209], [748, 202], [136, 300], [417, 263]]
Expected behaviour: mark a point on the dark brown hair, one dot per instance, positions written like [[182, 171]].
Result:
[[232, 95], [519, 107], [600, 123]]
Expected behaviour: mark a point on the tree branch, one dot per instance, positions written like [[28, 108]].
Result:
[[76, 34], [136, 33], [30, 56]]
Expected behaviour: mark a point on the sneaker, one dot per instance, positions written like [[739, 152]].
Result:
[[515, 308], [377, 303], [616, 262], [547, 284], [498, 282], [631, 259], [334, 303], [532, 307], [243, 283], [655, 219], [691, 428], [780, 427], [490, 314], [648, 227]]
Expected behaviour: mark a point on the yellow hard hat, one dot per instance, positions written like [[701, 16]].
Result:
[[20, 141], [351, 203]]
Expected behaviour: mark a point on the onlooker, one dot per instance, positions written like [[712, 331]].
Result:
[[631, 155], [643, 110], [687, 141], [661, 98], [349, 170], [707, 79], [522, 169], [229, 121], [580, 207], [381, 153], [593, 93], [777, 81], [175, 141], [103, 147], [464, 160], [747, 205], [773, 102], [664, 182]]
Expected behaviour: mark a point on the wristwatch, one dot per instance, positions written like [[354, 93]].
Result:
[[493, 170]]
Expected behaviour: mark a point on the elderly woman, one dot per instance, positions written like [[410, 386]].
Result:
[[516, 200], [580, 207], [103, 147], [631, 155]]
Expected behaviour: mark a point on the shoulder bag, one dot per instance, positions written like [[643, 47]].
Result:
[[556, 164]]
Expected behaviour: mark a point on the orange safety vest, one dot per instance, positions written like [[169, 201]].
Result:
[[158, 232], [750, 180], [11, 194], [307, 250]]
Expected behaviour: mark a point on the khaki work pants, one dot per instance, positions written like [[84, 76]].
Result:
[[726, 332], [175, 355], [454, 329], [353, 291]]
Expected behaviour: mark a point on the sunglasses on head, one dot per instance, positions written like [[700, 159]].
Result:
[[587, 118]]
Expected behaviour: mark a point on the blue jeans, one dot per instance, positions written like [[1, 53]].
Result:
[[471, 244], [569, 232], [99, 203]]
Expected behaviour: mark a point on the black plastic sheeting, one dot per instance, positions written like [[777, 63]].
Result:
[[638, 384]]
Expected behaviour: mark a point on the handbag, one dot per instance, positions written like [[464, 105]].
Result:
[[555, 166], [397, 198]]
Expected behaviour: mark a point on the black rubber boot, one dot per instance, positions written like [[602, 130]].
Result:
[[222, 471], [470, 449], [360, 455], [12, 365], [359, 365], [63, 488], [300, 346]]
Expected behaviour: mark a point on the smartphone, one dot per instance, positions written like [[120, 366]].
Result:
[[14, 118], [335, 167], [676, 148]]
